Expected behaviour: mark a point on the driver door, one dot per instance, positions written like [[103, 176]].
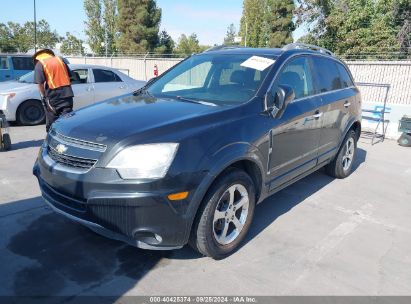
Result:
[[295, 137]]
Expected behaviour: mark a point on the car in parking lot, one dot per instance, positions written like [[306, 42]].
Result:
[[20, 100], [14, 66], [186, 158]]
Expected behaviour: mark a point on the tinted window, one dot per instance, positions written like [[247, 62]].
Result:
[[79, 76], [297, 74], [327, 74], [4, 63], [22, 63], [105, 76], [345, 77]]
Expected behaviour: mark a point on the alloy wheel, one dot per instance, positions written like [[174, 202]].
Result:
[[230, 214], [349, 154]]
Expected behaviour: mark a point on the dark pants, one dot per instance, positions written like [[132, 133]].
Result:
[[62, 106]]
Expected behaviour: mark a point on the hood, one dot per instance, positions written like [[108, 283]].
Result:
[[13, 85], [116, 119]]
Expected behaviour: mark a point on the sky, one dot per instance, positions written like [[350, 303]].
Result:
[[209, 19]]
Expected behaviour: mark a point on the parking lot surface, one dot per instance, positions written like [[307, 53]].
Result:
[[320, 236]]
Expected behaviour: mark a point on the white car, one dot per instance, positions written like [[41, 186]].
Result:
[[20, 99]]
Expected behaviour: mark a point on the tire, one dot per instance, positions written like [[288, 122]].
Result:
[[207, 235], [405, 140], [341, 165], [6, 142], [31, 113]]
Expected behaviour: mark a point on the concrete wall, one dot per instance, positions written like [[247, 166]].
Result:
[[396, 74]]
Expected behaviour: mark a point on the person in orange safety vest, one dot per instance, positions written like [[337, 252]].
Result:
[[52, 75]]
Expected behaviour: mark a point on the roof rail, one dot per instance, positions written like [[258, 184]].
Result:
[[222, 47], [293, 46]]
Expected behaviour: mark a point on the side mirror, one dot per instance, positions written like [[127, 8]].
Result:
[[276, 101]]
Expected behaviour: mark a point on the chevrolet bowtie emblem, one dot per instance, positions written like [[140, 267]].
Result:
[[60, 148]]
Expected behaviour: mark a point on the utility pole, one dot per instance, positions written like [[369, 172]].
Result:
[[246, 30], [105, 39], [35, 28]]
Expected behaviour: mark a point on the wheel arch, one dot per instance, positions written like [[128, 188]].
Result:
[[249, 165]]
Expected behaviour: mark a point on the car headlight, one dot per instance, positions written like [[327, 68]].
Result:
[[149, 161]]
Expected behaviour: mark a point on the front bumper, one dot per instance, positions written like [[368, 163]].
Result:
[[137, 213]]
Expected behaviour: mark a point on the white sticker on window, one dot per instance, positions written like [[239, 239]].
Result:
[[257, 63]]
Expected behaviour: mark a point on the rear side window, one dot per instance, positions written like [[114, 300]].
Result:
[[345, 77], [327, 74], [297, 74], [105, 76], [4, 63], [22, 63]]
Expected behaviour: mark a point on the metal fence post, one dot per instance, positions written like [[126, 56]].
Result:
[[145, 66]]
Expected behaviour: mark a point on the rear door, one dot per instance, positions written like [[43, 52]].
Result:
[[337, 98], [6, 73], [294, 137], [107, 84], [82, 88]]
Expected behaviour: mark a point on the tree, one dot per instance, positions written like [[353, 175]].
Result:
[[110, 24], [165, 43], [22, 36], [267, 22], [7, 43], [71, 45], [94, 25], [231, 34], [138, 24], [360, 28], [188, 45], [253, 27], [280, 22]]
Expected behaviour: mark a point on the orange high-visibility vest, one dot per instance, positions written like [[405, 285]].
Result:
[[56, 72]]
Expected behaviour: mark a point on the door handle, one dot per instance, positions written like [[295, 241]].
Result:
[[7, 76], [318, 114], [347, 104], [89, 89], [122, 87]]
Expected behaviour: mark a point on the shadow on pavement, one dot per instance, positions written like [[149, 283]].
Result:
[[69, 258], [27, 144], [283, 201]]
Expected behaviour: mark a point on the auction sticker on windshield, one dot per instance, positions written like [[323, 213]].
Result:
[[257, 63]]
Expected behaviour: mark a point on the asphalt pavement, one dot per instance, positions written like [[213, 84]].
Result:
[[320, 236]]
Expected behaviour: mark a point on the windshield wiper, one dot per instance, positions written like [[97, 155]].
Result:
[[196, 101], [142, 91]]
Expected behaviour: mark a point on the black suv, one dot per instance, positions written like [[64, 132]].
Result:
[[187, 158]]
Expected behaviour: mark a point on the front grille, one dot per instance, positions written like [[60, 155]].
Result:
[[70, 161], [78, 142]]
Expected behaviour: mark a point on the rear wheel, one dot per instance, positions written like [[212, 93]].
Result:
[[30, 113], [225, 215], [342, 164]]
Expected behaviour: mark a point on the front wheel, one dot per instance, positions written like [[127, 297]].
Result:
[[342, 164], [225, 215]]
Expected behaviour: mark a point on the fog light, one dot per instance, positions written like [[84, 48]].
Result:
[[178, 196]]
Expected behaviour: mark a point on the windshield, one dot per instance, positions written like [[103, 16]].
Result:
[[27, 78], [214, 78]]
